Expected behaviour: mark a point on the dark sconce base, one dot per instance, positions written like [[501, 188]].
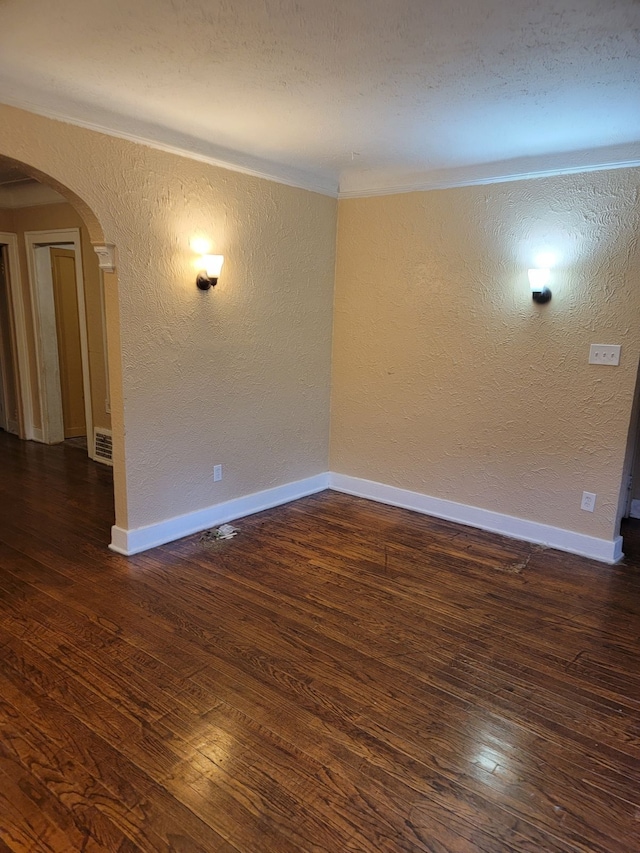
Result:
[[204, 282], [541, 296]]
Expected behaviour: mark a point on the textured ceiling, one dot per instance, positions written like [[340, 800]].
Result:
[[364, 95]]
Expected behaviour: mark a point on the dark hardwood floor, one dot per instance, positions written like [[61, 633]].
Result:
[[341, 676]]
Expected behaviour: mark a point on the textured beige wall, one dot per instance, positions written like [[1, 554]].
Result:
[[238, 375], [448, 381], [50, 217]]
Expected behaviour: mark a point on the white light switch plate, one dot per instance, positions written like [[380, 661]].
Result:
[[604, 354]]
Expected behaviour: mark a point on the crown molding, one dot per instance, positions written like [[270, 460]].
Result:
[[267, 171], [368, 183], [365, 184]]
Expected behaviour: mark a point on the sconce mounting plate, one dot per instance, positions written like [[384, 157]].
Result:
[[541, 296], [204, 282]]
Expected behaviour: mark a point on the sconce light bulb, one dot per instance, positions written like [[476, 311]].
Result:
[[545, 260], [200, 245]]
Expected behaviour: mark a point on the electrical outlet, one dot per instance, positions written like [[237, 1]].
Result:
[[588, 503], [604, 354], [217, 473]]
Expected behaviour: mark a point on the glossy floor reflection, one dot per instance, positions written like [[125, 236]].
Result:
[[341, 676]]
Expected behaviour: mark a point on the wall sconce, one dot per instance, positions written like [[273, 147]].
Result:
[[538, 279], [208, 275]]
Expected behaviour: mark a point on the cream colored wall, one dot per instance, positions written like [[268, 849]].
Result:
[[47, 218], [238, 375], [448, 381]]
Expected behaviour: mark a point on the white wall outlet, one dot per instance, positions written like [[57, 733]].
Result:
[[588, 503], [604, 354], [217, 473]]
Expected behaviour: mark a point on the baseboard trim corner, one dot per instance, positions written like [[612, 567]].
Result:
[[136, 540], [603, 550]]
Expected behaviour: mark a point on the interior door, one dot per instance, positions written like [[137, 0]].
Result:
[[65, 296]]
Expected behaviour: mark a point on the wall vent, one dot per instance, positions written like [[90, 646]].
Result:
[[103, 445]]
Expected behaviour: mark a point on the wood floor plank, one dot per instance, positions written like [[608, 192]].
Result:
[[342, 676], [152, 819]]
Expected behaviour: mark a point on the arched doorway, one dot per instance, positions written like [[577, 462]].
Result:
[[54, 267]]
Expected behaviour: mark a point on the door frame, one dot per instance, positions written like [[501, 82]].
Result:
[[6, 368], [8, 372], [43, 311], [4, 414], [19, 323]]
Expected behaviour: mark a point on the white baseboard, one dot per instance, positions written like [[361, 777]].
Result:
[[129, 542], [37, 435], [605, 550]]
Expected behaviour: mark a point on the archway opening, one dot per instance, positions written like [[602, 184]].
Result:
[[54, 364]]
